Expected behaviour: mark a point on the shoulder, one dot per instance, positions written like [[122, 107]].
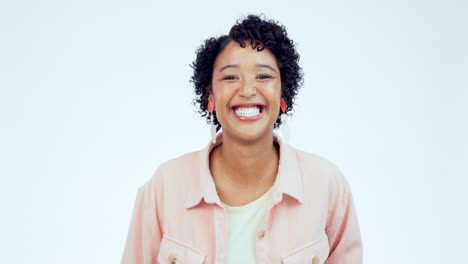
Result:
[[181, 164], [175, 171], [322, 169], [316, 163], [322, 176]]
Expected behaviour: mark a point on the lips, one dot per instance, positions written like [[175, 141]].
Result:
[[248, 112]]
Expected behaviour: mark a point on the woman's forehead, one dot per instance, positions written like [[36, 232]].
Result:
[[233, 53]]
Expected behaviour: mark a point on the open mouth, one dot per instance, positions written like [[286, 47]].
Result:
[[248, 112]]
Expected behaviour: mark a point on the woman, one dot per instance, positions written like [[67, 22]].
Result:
[[248, 197]]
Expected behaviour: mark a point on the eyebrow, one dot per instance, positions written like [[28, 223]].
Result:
[[237, 66]]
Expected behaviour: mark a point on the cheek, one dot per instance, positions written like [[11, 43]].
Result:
[[273, 91], [217, 89], [222, 92]]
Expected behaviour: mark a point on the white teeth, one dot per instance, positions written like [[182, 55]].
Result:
[[247, 111]]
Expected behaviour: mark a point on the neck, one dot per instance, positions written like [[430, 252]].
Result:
[[249, 163]]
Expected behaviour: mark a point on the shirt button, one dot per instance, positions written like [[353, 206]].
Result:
[[172, 259], [315, 260], [261, 234]]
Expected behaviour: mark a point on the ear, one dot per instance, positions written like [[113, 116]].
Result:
[[211, 97]]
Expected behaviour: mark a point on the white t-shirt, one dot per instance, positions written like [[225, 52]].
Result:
[[243, 224]]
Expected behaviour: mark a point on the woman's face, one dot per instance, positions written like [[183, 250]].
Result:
[[246, 90]]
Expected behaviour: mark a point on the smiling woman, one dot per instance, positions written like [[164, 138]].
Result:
[[246, 87], [247, 197], [259, 34]]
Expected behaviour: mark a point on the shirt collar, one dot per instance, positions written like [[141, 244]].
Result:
[[288, 180]]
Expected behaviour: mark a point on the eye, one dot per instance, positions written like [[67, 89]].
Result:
[[230, 77], [264, 76]]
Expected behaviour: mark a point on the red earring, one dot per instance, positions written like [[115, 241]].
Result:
[[211, 107], [284, 120], [283, 106]]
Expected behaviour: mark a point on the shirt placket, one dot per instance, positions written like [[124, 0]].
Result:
[[221, 233], [261, 241], [262, 249]]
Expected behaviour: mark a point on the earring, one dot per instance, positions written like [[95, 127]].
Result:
[[284, 119], [211, 107]]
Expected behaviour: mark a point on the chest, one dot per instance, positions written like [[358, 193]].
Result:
[[287, 233]]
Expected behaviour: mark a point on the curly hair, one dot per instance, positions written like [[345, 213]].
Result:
[[261, 33]]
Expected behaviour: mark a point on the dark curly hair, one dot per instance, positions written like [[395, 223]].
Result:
[[261, 33]]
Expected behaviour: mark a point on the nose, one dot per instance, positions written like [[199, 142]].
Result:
[[247, 89]]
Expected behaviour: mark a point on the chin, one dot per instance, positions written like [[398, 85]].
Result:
[[250, 135]]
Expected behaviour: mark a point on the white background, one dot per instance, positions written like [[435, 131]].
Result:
[[94, 96]]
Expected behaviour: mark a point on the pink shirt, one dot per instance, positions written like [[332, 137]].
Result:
[[179, 218]]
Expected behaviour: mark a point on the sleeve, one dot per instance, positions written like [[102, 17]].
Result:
[[144, 235], [342, 229]]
